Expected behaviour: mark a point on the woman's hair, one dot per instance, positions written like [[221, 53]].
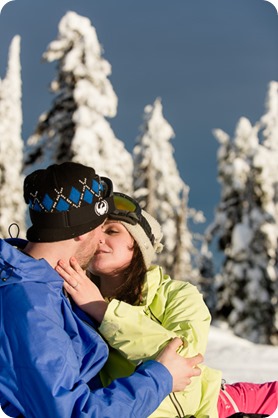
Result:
[[130, 290]]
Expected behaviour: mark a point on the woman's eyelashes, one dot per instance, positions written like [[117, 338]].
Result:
[[111, 231]]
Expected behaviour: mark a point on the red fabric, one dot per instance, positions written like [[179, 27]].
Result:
[[260, 398]]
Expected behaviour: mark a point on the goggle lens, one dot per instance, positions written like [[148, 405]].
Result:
[[128, 210], [122, 203]]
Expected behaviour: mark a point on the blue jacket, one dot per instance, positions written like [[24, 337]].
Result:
[[50, 353]]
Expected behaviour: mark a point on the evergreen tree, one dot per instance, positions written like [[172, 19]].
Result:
[[12, 205], [207, 277], [183, 249], [75, 127], [268, 176], [161, 191], [246, 227]]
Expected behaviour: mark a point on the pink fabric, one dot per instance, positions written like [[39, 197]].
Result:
[[260, 398]]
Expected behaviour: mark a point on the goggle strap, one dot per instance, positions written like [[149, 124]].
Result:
[[147, 228], [124, 217]]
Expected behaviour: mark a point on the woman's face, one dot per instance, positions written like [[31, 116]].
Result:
[[114, 252]]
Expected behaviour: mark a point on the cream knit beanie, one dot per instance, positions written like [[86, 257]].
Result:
[[148, 249]]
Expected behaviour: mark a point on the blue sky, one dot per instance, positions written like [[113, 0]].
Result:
[[210, 61]]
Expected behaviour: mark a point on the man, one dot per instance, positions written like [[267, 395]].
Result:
[[50, 352]]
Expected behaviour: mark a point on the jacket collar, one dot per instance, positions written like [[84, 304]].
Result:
[[17, 267], [153, 279]]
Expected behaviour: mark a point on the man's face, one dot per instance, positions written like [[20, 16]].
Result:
[[88, 246]]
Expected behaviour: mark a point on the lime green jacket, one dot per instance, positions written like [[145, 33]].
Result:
[[169, 308]]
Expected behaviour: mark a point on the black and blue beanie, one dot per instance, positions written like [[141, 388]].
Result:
[[66, 200]]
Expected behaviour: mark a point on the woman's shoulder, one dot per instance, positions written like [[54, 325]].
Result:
[[167, 282]]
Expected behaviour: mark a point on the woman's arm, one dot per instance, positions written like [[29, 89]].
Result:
[[186, 314], [149, 328], [140, 332], [125, 327], [83, 291]]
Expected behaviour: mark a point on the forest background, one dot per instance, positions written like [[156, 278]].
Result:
[[179, 71]]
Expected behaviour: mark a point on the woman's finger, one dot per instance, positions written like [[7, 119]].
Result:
[[68, 278], [75, 266]]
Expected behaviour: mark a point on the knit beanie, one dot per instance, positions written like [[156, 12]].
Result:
[[66, 200], [148, 249]]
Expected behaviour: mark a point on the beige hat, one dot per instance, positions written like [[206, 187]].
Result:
[[148, 249]]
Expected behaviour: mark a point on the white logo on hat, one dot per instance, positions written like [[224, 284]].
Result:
[[101, 208]]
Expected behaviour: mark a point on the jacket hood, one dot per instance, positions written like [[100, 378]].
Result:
[[152, 281], [17, 267]]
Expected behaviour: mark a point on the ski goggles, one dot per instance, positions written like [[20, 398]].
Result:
[[128, 210]]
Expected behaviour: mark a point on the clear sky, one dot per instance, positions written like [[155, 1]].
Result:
[[210, 61]]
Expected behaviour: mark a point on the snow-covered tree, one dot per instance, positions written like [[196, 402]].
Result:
[[183, 249], [246, 225], [12, 205], [75, 127], [269, 185], [206, 279], [161, 191]]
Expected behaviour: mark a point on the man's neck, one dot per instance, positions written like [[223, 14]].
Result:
[[50, 251]]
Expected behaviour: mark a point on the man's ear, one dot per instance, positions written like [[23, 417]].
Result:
[[79, 238], [82, 237]]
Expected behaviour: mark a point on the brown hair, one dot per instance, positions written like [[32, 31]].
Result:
[[130, 290]]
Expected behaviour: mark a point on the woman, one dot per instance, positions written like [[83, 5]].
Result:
[[145, 309]]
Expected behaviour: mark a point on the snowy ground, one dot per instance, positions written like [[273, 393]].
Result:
[[239, 359]]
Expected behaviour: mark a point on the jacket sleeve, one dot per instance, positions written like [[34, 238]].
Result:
[[45, 380], [178, 309], [187, 315]]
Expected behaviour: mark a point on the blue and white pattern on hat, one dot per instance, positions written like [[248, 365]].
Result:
[[62, 203]]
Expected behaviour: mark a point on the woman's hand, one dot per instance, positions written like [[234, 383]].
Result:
[[83, 291]]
